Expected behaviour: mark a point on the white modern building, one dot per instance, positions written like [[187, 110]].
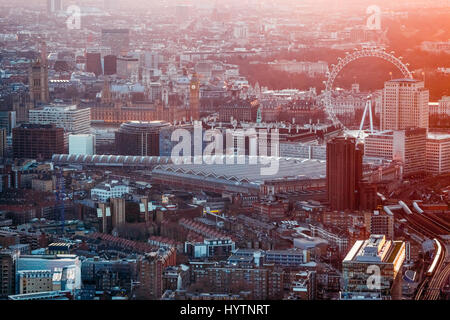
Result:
[[379, 145], [82, 144], [105, 191], [406, 146], [438, 153], [68, 117], [404, 105]]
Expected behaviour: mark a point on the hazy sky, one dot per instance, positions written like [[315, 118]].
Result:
[[412, 3]]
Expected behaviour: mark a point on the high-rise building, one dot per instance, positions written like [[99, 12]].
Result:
[[82, 144], [139, 138], [94, 63], [34, 141], [8, 260], [438, 153], [111, 214], [444, 106], [104, 214], [118, 40], [409, 147], [117, 211], [379, 145], [373, 266], [110, 65], [194, 97], [69, 117], [344, 172], [406, 146], [7, 121], [150, 269], [3, 144], [127, 66], [368, 198], [379, 222], [405, 105]]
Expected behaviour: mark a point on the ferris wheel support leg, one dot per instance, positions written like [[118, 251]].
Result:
[[362, 120], [369, 105]]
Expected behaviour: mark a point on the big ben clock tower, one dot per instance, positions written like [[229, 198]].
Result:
[[194, 97]]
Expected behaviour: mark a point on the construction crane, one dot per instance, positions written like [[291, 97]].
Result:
[[59, 198]]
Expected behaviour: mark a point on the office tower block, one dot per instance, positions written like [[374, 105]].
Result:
[[8, 260], [438, 153], [139, 138], [406, 146], [117, 211], [405, 105], [69, 117], [368, 198], [127, 66], [110, 65], [93, 63], [379, 222], [344, 172], [34, 141], [150, 269], [82, 144], [3, 146], [104, 214], [409, 147], [7, 121]]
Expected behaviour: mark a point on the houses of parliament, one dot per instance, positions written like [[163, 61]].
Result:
[[170, 107]]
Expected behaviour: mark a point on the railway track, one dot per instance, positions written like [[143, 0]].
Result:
[[430, 288], [421, 289], [434, 289]]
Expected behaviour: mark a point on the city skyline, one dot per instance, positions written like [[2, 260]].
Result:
[[252, 152]]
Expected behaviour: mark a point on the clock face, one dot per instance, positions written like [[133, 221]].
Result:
[[193, 87]]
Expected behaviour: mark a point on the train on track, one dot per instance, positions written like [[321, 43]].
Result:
[[437, 257]]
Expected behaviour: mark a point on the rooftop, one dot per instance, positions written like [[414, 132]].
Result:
[[247, 173], [377, 249], [438, 136], [405, 80]]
